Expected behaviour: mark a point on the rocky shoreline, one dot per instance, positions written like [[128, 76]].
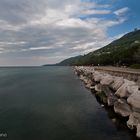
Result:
[[121, 94]]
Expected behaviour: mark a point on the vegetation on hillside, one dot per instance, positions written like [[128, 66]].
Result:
[[124, 51]]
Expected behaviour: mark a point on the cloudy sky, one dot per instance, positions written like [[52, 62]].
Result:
[[36, 32]]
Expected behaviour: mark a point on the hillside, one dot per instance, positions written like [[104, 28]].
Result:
[[124, 51]]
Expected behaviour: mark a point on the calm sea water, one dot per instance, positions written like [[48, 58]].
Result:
[[51, 103]]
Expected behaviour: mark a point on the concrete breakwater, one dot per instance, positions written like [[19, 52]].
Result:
[[121, 94]]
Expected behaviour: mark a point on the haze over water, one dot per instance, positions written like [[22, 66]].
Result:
[[51, 103]]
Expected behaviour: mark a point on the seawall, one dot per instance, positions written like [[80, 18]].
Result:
[[130, 74], [116, 88]]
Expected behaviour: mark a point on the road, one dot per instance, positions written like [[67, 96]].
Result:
[[118, 69]]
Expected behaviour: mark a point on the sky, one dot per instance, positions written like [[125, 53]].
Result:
[[36, 32]]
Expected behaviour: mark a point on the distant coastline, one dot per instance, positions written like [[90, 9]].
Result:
[[124, 51]]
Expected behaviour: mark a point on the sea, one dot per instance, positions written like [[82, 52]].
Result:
[[51, 103]]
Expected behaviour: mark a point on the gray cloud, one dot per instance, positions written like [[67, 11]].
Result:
[[34, 32], [21, 11]]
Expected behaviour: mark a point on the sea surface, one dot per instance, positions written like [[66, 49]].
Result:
[[51, 103]]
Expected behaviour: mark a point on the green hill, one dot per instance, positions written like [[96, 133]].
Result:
[[124, 51]]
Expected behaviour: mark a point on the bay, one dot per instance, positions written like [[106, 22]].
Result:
[[51, 103]]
